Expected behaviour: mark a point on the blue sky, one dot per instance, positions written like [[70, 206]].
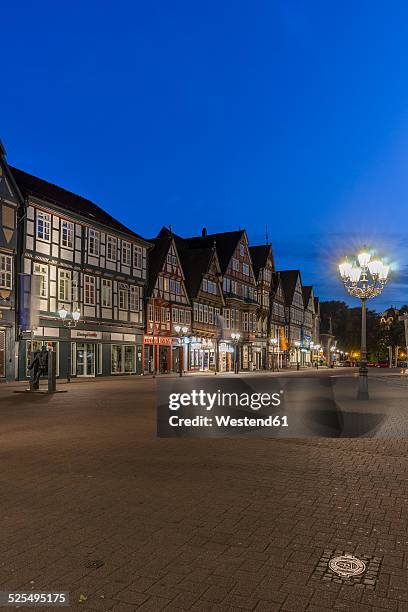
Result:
[[291, 115]]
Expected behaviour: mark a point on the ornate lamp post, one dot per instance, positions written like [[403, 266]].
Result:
[[274, 342], [364, 279], [297, 345], [69, 321], [181, 332], [235, 336]]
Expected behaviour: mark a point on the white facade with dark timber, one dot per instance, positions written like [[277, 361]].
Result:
[[9, 203], [83, 260]]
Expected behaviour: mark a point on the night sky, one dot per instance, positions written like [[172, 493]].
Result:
[[286, 115]]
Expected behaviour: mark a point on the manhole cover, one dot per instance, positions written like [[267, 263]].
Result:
[[347, 566]]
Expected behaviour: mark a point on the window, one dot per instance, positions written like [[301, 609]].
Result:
[[169, 258], [195, 313], [165, 283], [150, 312], [200, 313], [245, 269], [106, 293], [64, 285], [126, 253], [163, 312], [43, 226], [111, 248], [67, 234], [205, 284], [134, 299], [137, 257], [245, 322], [93, 242], [235, 264], [89, 284], [123, 359], [123, 299], [211, 287], [227, 318], [42, 272], [241, 249], [6, 272], [205, 313], [211, 315], [188, 316]]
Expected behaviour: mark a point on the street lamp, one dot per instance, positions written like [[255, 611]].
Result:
[[69, 319], [297, 344], [181, 332], [364, 279], [235, 336], [274, 342]]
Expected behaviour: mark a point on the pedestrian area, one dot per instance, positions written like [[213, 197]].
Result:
[[95, 504]]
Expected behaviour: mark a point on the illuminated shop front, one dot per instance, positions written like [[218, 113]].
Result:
[[157, 354], [226, 351], [202, 354]]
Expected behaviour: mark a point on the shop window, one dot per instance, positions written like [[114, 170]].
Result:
[[123, 359]]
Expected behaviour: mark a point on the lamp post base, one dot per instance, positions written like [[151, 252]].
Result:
[[362, 393]]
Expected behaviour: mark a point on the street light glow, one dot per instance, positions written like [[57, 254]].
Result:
[[63, 313], [364, 258]]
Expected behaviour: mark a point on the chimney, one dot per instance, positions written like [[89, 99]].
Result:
[[204, 232]]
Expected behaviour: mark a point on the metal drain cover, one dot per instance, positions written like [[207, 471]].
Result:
[[347, 566]]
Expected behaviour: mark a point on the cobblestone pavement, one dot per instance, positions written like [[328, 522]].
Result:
[[93, 503]]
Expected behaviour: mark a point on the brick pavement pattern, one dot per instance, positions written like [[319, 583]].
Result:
[[93, 503]]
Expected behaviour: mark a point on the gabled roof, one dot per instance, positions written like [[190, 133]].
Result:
[[307, 292], [289, 279], [30, 185], [225, 242], [259, 256], [195, 262], [157, 257]]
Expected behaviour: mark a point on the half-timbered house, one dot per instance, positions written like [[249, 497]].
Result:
[[87, 263], [9, 203], [168, 310], [278, 325], [204, 286], [263, 267], [308, 325], [294, 312], [239, 289]]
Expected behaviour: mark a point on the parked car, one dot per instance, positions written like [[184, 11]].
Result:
[[383, 364]]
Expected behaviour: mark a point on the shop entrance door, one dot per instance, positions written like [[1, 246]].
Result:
[[85, 359]]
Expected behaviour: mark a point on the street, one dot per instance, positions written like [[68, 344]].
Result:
[[95, 504]]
